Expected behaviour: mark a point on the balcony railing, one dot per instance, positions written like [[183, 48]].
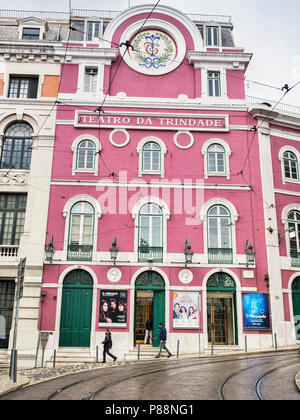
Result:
[[8, 251], [295, 257], [282, 107], [80, 252], [220, 256], [150, 253]]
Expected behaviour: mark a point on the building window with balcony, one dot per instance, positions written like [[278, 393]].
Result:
[[23, 87], [294, 237], [214, 83], [12, 217], [16, 147], [219, 235], [80, 243], [150, 233]]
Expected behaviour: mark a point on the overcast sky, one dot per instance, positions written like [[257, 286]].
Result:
[[269, 29]]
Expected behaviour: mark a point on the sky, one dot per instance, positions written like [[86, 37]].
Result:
[[267, 28]]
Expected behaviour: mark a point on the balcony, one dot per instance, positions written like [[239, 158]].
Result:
[[295, 259], [220, 256], [8, 252], [80, 252], [150, 253]]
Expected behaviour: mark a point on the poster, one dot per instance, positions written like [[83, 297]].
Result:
[[186, 310], [256, 311], [113, 308]]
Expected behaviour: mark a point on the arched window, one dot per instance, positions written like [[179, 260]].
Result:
[[294, 235], [219, 235], [16, 148], [80, 244], [150, 233], [151, 157], [86, 155], [290, 166], [216, 160]]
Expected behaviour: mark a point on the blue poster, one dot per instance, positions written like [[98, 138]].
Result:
[[256, 311]]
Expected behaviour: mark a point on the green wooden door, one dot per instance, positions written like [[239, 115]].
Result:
[[296, 305], [76, 310], [150, 280]]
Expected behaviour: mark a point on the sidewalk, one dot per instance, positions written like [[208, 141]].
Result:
[[34, 376]]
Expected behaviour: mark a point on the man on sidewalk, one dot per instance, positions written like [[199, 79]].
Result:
[[162, 341], [107, 345]]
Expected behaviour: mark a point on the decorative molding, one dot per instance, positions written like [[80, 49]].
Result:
[[185, 276], [114, 275]]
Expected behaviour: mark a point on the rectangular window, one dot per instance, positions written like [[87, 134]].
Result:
[[23, 87], [212, 36], [31, 33], [214, 83], [12, 217], [90, 79], [93, 31]]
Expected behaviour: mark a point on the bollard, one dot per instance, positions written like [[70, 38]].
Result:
[[97, 354], [177, 348], [212, 346], [246, 347], [139, 352], [54, 358], [275, 339]]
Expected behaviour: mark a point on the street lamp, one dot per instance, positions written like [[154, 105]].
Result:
[[114, 251], [250, 254], [49, 250], [188, 253]]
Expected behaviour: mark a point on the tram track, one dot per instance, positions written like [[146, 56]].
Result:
[[96, 392]]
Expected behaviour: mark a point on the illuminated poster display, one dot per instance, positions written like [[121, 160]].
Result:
[[256, 311]]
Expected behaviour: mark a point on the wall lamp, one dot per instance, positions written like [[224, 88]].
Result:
[[188, 253], [49, 250], [250, 254], [114, 251], [291, 231]]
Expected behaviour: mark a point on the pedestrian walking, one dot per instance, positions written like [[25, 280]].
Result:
[[107, 345], [162, 341], [148, 333]]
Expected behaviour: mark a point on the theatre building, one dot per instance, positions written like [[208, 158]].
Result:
[[163, 204]]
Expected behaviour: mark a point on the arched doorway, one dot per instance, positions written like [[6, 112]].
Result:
[[221, 310], [149, 304], [76, 310], [296, 305]]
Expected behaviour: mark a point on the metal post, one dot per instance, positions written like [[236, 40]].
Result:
[[139, 352], [275, 339], [54, 358], [177, 348], [246, 347], [199, 329], [212, 346], [97, 354]]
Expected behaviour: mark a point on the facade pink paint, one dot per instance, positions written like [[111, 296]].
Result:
[[169, 160]]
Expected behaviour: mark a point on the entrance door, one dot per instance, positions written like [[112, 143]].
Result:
[[150, 300], [296, 305], [220, 320], [144, 311], [76, 310], [7, 296]]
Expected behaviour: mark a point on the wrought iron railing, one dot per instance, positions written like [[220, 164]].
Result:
[[150, 253], [295, 259], [80, 252], [220, 256]]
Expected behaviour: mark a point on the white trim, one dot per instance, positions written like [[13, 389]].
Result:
[[227, 151], [190, 136], [282, 151], [119, 130], [284, 218], [163, 151], [74, 147]]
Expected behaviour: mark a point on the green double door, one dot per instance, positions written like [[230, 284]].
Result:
[[296, 305], [149, 281], [76, 310]]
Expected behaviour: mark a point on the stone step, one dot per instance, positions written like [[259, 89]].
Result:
[[71, 355]]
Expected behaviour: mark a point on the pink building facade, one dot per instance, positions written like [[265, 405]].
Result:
[[158, 195]]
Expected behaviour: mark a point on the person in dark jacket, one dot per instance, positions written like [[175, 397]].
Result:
[[148, 333], [107, 345], [162, 341]]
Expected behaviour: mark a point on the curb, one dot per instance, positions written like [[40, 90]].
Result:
[[11, 387]]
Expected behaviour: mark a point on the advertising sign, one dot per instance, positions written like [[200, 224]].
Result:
[[113, 308], [256, 311], [186, 310]]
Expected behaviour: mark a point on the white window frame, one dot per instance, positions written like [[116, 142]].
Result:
[[93, 79], [67, 214], [98, 93], [211, 29], [223, 82], [74, 149], [234, 218], [163, 151], [227, 155], [282, 151], [165, 217], [284, 218]]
